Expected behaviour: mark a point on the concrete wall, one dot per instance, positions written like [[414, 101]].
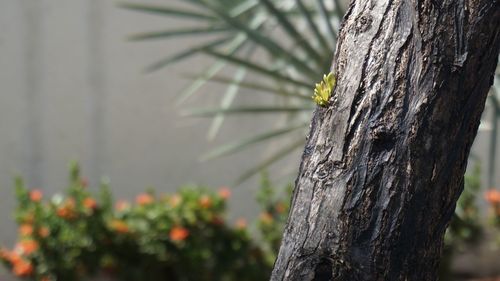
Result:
[[72, 89]]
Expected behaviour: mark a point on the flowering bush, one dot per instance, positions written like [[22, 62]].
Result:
[[174, 237], [492, 196]]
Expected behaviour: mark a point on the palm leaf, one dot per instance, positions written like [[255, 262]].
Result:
[[166, 11], [259, 88], [326, 19], [226, 102], [272, 47], [209, 112], [241, 144], [310, 21], [235, 45], [257, 68], [280, 154], [178, 32], [185, 54], [292, 31]]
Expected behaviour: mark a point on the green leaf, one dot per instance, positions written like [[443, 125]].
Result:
[[257, 68], [235, 45], [178, 32], [338, 9], [239, 145], [185, 54], [292, 31], [208, 112], [272, 47], [285, 151], [166, 11], [326, 18], [310, 21], [243, 7], [252, 86], [226, 102]]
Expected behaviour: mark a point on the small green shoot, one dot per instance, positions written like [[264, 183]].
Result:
[[323, 90]]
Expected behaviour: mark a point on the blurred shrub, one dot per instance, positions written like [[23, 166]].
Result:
[[492, 196], [184, 236]]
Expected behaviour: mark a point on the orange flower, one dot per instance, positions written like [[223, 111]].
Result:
[[266, 218], [26, 247], [120, 226], [122, 205], [144, 199], [205, 202], [44, 231], [66, 213], [179, 233], [23, 268], [280, 208], [89, 203], [67, 210], [241, 223], [29, 218], [36, 195], [10, 256], [217, 220], [175, 200], [224, 192], [492, 196], [26, 229], [5, 254], [84, 182]]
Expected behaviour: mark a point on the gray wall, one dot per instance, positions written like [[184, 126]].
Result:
[[72, 89]]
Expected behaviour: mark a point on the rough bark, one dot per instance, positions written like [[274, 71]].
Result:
[[383, 165]]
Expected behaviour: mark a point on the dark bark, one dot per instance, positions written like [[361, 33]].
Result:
[[384, 163]]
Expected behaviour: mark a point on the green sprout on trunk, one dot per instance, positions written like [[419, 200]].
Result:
[[323, 90]]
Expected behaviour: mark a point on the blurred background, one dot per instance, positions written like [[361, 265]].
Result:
[[75, 86]]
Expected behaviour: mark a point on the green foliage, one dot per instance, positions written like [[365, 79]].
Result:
[[181, 236], [272, 220], [176, 237], [465, 227], [323, 90]]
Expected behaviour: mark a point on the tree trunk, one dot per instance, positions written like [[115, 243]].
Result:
[[383, 164]]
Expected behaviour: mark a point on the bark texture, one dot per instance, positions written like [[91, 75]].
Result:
[[383, 165]]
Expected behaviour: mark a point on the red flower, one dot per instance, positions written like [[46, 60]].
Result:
[[224, 192], [492, 196], [217, 220], [175, 200], [84, 182], [144, 199], [23, 268], [280, 208], [67, 210], [26, 247], [5, 254], [120, 226], [241, 223], [44, 231], [122, 205], [26, 229], [89, 203], [205, 202], [266, 218], [29, 218], [178, 233], [36, 195]]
